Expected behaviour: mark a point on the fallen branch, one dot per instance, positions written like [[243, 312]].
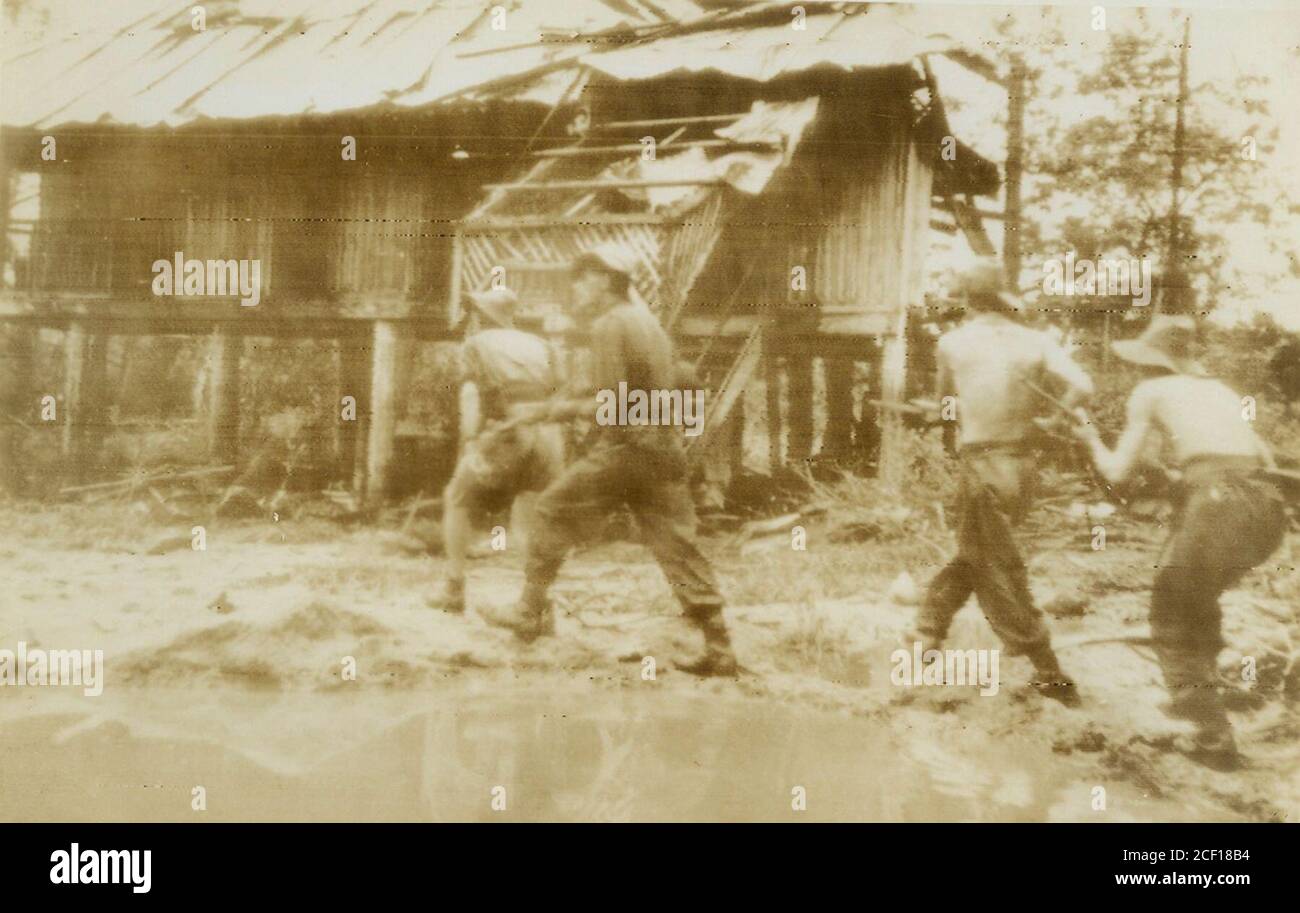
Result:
[[133, 480]]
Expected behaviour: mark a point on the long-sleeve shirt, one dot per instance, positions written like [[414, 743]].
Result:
[[629, 346]]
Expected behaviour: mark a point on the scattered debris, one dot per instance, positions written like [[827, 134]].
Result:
[[1066, 605], [221, 605]]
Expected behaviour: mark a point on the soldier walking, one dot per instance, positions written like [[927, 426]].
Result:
[[501, 460], [640, 466], [1229, 517], [985, 362]]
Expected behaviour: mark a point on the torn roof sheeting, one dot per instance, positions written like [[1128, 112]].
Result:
[[850, 38], [780, 123], [259, 58]]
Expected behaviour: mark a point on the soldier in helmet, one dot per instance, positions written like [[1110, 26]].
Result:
[[642, 466]]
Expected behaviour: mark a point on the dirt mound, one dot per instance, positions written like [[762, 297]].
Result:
[[306, 644]]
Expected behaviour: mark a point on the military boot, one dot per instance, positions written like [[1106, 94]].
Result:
[[1212, 747], [451, 599], [1049, 679], [717, 659], [529, 619]]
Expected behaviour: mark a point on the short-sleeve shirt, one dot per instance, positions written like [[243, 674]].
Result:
[[508, 366]]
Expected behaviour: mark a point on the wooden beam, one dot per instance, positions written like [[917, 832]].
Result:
[[19, 401], [893, 389], [84, 389], [384, 360], [74, 349], [736, 439], [354, 381], [668, 121], [968, 218], [799, 370], [772, 378], [553, 186], [832, 322], [225, 356], [584, 151], [731, 387], [942, 203], [496, 223], [839, 406]]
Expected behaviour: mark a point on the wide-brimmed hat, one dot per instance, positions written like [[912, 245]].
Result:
[[498, 305], [984, 280], [608, 257], [1165, 343]]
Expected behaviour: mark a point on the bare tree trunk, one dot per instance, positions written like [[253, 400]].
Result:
[[1017, 85], [1176, 293]]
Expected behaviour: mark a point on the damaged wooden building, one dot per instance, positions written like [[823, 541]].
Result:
[[776, 169]]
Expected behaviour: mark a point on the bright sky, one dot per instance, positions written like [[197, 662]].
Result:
[[1231, 38]]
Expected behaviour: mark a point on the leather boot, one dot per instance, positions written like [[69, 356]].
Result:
[[717, 659], [451, 599], [529, 619], [1049, 679], [1214, 748]]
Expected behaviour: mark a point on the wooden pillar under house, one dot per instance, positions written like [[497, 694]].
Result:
[[838, 442], [385, 360], [799, 371], [226, 356], [772, 382], [84, 400]]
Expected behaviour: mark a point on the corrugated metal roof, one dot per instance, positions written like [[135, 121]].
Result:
[[289, 57], [868, 38]]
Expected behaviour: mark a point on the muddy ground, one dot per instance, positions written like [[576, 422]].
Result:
[[224, 670]]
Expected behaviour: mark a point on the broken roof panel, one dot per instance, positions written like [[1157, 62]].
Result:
[[288, 57], [849, 40], [345, 62], [71, 71], [260, 58]]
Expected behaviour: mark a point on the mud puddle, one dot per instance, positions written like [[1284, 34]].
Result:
[[452, 754]]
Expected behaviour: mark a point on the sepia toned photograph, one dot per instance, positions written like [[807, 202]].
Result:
[[575, 411]]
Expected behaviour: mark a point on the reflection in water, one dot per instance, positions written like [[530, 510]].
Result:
[[634, 755]]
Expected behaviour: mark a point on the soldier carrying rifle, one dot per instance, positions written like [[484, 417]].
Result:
[[1230, 517], [985, 362], [642, 467]]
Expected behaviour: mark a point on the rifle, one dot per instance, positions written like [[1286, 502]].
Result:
[[1171, 477]]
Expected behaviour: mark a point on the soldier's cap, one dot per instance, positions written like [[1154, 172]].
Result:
[[1165, 343], [498, 305], [984, 280], [608, 258]]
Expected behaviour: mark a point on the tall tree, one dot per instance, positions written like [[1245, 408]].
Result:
[[1159, 170]]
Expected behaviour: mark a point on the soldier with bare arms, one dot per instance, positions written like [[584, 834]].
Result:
[[501, 461], [1230, 517], [984, 363]]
